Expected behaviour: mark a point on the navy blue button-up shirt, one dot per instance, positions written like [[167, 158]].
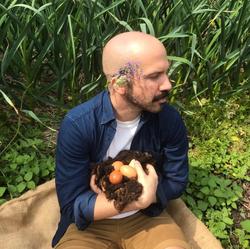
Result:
[[84, 137]]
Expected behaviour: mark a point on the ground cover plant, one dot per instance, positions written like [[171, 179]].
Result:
[[50, 60], [219, 189]]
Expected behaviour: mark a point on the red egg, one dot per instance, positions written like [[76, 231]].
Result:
[[115, 177]]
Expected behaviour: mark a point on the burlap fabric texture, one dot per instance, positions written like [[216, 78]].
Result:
[[30, 221]]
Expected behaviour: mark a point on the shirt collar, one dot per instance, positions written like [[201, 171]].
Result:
[[108, 111]]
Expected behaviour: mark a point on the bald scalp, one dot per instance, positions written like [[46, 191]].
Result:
[[128, 47]]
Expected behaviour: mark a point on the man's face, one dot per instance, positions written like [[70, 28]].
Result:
[[148, 90]]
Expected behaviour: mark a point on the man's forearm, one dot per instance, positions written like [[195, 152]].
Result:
[[105, 208]]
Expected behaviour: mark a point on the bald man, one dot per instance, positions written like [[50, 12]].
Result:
[[131, 114]]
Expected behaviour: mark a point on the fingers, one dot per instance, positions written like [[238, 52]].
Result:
[[151, 170], [140, 171], [93, 185], [137, 166]]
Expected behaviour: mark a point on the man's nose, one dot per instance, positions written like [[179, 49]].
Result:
[[166, 84]]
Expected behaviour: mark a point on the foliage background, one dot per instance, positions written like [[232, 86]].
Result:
[[50, 58]]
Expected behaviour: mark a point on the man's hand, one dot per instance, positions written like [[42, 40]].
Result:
[[149, 182], [93, 185]]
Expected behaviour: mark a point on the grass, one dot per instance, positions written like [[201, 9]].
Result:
[[53, 48]]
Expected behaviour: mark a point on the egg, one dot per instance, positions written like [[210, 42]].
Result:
[[117, 164], [115, 177], [128, 171]]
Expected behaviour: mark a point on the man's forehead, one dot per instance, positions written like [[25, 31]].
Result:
[[161, 65]]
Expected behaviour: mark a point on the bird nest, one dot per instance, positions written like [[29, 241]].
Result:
[[129, 189]]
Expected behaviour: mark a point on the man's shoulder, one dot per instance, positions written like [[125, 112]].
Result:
[[169, 111], [87, 108]]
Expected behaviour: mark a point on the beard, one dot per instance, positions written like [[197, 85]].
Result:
[[152, 106]]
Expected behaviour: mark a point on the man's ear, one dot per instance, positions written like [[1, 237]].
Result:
[[117, 86]]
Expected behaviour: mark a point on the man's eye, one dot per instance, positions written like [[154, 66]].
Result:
[[154, 76]]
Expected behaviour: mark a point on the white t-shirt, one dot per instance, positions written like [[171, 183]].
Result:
[[122, 140]]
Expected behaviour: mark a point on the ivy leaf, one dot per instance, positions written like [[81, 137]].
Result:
[[2, 201], [205, 190], [2, 190], [202, 205], [28, 176], [219, 193], [45, 172], [21, 186], [204, 181], [212, 200], [11, 188], [228, 221], [234, 206], [31, 185], [19, 179], [191, 201], [212, 182], [13, 166], [36, 170], [189, 190], [246, 225]]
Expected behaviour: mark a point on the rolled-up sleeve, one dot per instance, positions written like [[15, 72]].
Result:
[[75, 197]]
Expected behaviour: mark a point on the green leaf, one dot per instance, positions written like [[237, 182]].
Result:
[[19, 179], [13, 166], [32, 115], [31, 185], [205, 190], [189, 190], [202, 205], [246, 225], [36, 170], [212, 182], [233, 205], [21, 187], [12, 189], [7, 99], [2, 201], [109, 8], [149, 25], [190, 201], [219, 193], [45, 172], [28, 176], [228, 221], [204, 181], [2, 191], [212, 200], [181, 60]]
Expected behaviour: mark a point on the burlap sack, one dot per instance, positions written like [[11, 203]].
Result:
[[30, 221]]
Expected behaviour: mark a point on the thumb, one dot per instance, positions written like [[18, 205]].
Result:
[[137, 166]]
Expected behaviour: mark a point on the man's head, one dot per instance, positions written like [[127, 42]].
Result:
[[135, 65]]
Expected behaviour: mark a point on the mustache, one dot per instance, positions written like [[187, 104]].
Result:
[[164, 94]]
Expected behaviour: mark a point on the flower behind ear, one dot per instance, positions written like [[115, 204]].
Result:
[[121, 81]]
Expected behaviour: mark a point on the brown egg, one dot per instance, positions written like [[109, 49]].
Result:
[[128, 171], [115, 177], [117, 164]]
